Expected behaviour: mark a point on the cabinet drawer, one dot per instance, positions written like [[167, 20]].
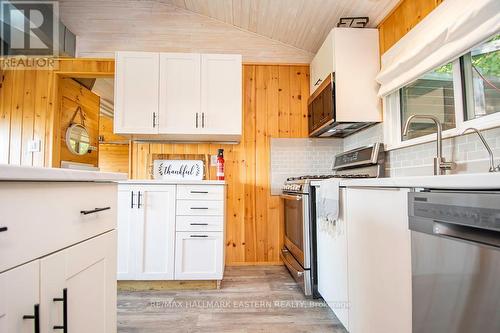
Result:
[[200, 192], [200, 207], [48, 217], [199, 223]]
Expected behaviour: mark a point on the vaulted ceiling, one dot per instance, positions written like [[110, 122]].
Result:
[[261, 30]]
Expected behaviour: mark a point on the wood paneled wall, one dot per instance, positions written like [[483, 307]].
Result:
[[25, 106], [275, 105], [113, 148], [29, 109], [402, 19]]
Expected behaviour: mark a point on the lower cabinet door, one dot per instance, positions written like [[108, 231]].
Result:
[[78, 287], [199, 256], [19, 299]]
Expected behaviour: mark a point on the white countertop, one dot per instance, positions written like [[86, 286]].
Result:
[[173, 182], [480, 181], [23, 173]]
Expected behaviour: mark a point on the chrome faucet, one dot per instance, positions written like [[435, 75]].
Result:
[[440, 164], [492, 159]]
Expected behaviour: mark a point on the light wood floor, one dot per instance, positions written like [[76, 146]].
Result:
[[252, 299]]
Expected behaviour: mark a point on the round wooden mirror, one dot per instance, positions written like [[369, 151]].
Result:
[[78, 139]]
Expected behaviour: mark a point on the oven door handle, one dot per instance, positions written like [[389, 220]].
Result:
[[291, 197]]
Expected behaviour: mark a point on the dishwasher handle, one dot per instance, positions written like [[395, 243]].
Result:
[[466, 233]]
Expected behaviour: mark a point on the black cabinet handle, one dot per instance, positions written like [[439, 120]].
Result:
[[64, 299], [96, 210], [139, 199], [317, 82], [196, 119], [132, 199], [203, 119], [199, 208], [198, 236], [199, 192], [35, 317], [198, 223], [3, 229], [154, 119]]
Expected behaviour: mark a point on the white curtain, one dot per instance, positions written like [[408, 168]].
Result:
[[448, 32]]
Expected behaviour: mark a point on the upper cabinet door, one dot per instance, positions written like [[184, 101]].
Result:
[[221, 91], [155, 233], [180, 93], [19, 294], [136, 92], [82, 277]]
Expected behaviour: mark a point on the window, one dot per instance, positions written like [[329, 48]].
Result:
[[463, 93], [481, 76], [431, 94]]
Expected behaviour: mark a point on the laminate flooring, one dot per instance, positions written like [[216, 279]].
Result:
[[252, 299]]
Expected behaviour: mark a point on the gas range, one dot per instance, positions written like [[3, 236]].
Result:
[[364, 162]]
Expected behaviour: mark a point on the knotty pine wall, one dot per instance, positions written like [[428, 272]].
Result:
[[274, 105], [402, 19]]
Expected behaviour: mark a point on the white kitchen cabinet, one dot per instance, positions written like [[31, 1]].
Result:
[[19, 295], [332, 263], [379, 260], [180, 93], [199, 256], [170, 232], [146, 232], [137, 82], [352, 55], [81, 278], [179, 96], [221, 94]]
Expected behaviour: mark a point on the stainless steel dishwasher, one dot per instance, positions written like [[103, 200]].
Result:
[[455, 244]]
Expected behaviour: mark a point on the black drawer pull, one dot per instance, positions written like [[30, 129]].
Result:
[[35, 317], [87, 212], [199, 207], [64, 299], [139, 199], [199, 192], [198, 223], [198, 236], [3, 229]]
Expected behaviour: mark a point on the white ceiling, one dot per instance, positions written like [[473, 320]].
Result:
[[300, 23], [284, 31]]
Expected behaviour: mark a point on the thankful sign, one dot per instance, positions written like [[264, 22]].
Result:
[[178, 169]]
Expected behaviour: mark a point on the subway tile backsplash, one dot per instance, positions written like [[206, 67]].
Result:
[[295, 157], [298, 157]]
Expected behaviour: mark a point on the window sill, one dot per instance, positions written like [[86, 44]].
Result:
[[483, 123]]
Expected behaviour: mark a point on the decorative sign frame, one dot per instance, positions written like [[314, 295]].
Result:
[[178, 169]]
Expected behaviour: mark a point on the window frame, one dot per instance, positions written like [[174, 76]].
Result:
[[392, 117]]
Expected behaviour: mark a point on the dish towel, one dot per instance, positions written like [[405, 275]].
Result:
[[328, 207]]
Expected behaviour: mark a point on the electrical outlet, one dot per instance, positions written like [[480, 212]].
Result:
[[213, 160], [34, 146]]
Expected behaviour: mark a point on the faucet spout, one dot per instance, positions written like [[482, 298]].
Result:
[[440, 164], [487, 146]]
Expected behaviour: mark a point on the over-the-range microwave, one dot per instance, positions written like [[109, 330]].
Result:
[[322, 113]]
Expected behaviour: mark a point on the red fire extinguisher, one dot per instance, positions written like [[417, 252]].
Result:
[[220, 164]]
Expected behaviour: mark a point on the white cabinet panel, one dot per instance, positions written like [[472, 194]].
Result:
[[19, 294], [87, 272], [199, 255], [199, 223], [48, 217], [136, 92], [180, 93], [323, 63], [128, 217], [200, 207], [332, 264], [155, 234], [379, 260], [221, 93], [200, 192]]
